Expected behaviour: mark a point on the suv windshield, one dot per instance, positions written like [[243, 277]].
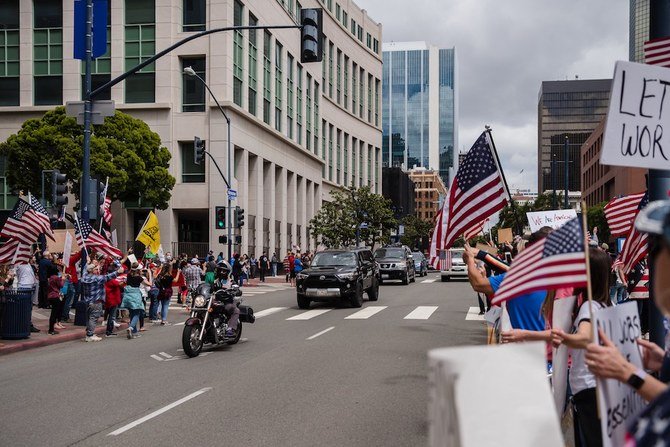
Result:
[[329, 259], [395, 253]]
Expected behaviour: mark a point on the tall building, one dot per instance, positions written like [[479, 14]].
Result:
[[567, 108], [429, 190], [638, 29], [298, 131], [399, 188], [419, 106]]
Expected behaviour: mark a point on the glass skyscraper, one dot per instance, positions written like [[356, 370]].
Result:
[[419, 107], [638, 29]]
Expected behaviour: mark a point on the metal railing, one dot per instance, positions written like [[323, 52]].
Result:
[[190, 248]]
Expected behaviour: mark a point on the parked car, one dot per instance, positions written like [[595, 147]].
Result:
[[395, 262], [420, 263], [336, 275], [453, 266]]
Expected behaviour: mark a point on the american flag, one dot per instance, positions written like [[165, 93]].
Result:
[[476, 193], [657, 52], [22, 224], [437, 237], [15, 252], [635, 246], [641, 290], [42, 216], [620, 213], [88, 238], [106, 210], [475, 231], [556, 261]]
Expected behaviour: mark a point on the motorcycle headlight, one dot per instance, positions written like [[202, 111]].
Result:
[[347, 276], [301, 276], [199, 301]]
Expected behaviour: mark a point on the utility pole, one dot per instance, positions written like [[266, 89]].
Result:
[[86, 161]]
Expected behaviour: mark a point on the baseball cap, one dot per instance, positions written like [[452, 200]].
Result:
[[655, 219], [195, 261]]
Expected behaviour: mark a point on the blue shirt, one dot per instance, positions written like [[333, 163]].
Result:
[[524, 310]]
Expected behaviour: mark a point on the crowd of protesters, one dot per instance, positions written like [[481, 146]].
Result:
[[530, 316]]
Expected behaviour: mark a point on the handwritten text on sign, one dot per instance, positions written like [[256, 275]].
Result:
[[637, 130], [618, 402], [554, 219]]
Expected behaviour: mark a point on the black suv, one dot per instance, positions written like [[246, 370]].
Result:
[[396, 262], [339, 274]]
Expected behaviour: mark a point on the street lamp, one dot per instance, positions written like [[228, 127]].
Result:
[[190, 72]]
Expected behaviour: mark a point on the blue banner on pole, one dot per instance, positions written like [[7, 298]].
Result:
[[99, 29]]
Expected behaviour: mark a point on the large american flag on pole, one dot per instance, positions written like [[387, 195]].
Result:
[[88, 238], [620, 213], [635, 246], [22, 224], [657, 52], [556, 261], [15, 252], [42, 216]]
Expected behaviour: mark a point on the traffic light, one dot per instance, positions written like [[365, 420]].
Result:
[[223, 240], [220, 217], [311, 35], [58, 188], [239, 217], [198, 150]]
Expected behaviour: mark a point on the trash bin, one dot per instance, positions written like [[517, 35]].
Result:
[[17, 315], [80, 313]]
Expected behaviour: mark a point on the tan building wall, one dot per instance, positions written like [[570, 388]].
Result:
[[429, 192]]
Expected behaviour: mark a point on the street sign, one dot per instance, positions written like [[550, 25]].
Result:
[[232, 194], [100, 109], [99, 29], [634, 134]]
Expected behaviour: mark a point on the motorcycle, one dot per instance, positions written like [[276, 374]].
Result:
[[208, 322]]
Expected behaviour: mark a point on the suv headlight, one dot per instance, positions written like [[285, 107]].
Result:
[[347, 276], [301, 275], [199, 301]]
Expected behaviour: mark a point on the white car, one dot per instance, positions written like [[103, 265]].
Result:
[[453, 266]]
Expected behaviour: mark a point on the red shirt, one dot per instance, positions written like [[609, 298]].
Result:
[[112, 293], [54, 285], [72, 267]]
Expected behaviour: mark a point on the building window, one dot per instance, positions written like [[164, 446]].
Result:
[[140, 35], [289, 96], [48, 52], [7, 199], [101, 69], [316, 118], [323, 146], [323, 67], [368, 40], [359, 32], [345, 19], [278, 84], [331, 52], [345, 157], [267, 91], [354, 87], [361, 93], [194, 15], [330, 152], [354, 145], [298, 121], [9, 48], [369, 98], [339, 76], [253, 65], [338, 11], [308, 112], [338, 155], [193, 91], [238, 54], [190, 172], [346, 83], [376, 102], [353, 27], [375, 46], [377, 156]]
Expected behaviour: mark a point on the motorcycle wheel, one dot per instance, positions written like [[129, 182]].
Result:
[[189, 341], [237, 336]]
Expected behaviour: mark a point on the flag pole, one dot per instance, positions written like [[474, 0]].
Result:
[[103, 204], [83, 242], [512, 204]]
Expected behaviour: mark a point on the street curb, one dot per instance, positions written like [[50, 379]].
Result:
[[52, 340]]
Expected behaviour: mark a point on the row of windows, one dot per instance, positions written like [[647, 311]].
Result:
[[356, 30]]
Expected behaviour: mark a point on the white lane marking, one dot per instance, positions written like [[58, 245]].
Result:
[[270, 311], [180, 324], [156, 357], [473, 314], [309, 314], [321, 333], [426, 281], [158, 412], [365, 313], [166, 355], [421, 313]]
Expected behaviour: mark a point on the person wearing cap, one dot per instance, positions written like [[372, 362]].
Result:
[[652, 426], [193, 274], [93, 294]]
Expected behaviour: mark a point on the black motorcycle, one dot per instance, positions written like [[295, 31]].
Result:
[[208, 322]]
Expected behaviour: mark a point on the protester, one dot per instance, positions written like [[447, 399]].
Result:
[[297, 268], [291, 268], [113, 292], [263, 266], [274, 261], [164, 283], [26, 280], [210, 271], [72, 283], [618, 291], [6, 281], [132, 300], [44, 267], [253, 266], [179, 281], [93, 294], [55, 282], [286, 264], [236, 269]]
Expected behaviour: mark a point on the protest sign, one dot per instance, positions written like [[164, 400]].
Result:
[[67, 249], [57, 245], [554, 218], [514, 403], [132, 259], [618, 402], [634, 134], [487, 248], [504, 235], [561, 319], [115, 239]]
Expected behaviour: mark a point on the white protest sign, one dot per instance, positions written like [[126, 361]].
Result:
[[504, 387], [132, 259], [115, 239], [554, 218], [67, 249], [561, 319], [618, 402], [638, 112]]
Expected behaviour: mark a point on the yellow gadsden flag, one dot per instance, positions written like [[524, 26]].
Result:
[[150, 234]]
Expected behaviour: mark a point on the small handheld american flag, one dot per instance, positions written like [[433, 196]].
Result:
[[88, 238]]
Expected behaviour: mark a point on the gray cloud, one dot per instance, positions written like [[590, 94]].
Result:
[[505, 50]]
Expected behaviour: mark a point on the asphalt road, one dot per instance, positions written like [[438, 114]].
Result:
[[327, 380]]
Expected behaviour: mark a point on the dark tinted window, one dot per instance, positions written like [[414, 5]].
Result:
[[398, 253], [48, 90], [140, 11], [97, 80], [9, 91], [48, 13], [140, 87], [194, 15], [332, 259], [9, 14], [193, 90]]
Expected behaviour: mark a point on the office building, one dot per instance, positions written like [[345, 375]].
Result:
[[638, 29], [298, 130], [569, 109], [429, 192], [420, 107], [400, 190]]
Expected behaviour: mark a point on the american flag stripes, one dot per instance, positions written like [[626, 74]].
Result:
[[657, 52], [15, 252], [22, 224], [641, 290], [438, 236], [88, 238], [635, 247], [107, 211], [557, 261], [620, 213], [42, 216]]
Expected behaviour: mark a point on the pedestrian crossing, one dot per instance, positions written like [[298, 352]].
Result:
[[418, 313]]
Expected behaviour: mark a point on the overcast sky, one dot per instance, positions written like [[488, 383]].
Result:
[[505, 49]]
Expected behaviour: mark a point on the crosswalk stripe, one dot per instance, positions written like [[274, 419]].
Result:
[[270, 311], [421, 313], [309, 314], [365, 313], [473, 314], [426, 281]]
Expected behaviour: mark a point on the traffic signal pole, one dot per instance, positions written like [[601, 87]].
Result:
[[86, 161]]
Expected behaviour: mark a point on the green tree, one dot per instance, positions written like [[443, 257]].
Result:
[[124, 149], [595, 217], [417, 232]]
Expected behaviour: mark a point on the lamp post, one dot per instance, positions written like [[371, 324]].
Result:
[[190, 72]]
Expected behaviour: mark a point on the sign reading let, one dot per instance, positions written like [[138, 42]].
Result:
[[637, 130]]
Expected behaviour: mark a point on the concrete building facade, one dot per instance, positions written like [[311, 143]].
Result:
[[430, 192], [297, 131]]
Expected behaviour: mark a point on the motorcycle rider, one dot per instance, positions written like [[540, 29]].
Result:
[[231, 309]]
